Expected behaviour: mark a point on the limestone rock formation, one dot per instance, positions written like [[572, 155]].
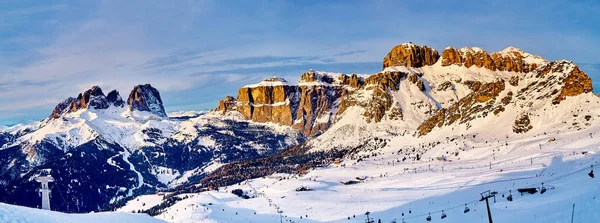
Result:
[[410, 55], [509, 59], [479, 103], [227, 104], [92, 98], [576, 83], [320, 99], [146, 98], [113, 97]]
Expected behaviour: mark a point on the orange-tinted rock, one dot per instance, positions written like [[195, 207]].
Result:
[[509, 59], [410, 55], [451, 56], [227, 104], [576, 83]]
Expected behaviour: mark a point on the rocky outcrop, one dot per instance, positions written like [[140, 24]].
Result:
[[62, 107], [308, 107], [269, 101], [92, 98], [227, 104], [522, 124], [146, 98], [114, 98], [381, 103], [576, 83], [479, 103], [313, 105], [410, 55], [509, 59]]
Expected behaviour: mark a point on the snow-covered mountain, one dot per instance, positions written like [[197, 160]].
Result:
[[426, 134], [423, 133], [102, 149]]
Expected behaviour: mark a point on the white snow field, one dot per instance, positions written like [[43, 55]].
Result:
[[415, 189], [18, 214]]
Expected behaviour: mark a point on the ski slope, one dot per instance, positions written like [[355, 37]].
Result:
[[18, 214], [388, 187]]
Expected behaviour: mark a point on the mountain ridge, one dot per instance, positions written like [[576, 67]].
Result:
[[322, 117]]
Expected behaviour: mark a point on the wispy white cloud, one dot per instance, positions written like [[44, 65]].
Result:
[[195, 52]]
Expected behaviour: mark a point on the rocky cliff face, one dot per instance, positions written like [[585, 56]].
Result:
[[307, 107], [313, 104], [410, 55], [414, 87], [269, 101], [548, 85], [92, 98], [509, 59], [146, 98], [114, 98]]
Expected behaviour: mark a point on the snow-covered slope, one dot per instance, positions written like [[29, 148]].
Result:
[[18, 214], [111, 151], [391, 187]]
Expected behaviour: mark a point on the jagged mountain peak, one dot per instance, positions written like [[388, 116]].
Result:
[[146, 98], [115, 99], [91, 98]]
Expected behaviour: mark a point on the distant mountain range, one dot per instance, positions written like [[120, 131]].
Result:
[[102, 149]]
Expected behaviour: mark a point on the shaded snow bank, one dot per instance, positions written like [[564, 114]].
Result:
[[18, 214]]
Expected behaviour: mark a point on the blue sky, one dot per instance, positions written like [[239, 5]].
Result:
[[196, 52]]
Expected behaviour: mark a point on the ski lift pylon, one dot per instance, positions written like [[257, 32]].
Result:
[[543, 190], [591, 174]]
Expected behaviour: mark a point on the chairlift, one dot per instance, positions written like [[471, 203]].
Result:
[[466, 209], [443, 214], [403, 221], [509, 198], [402, 214], [591, 174], [428, 217]]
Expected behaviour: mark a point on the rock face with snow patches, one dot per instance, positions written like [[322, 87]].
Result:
[[509, 59], [417, 92], [146, 98], [101, 152], [92, 98]]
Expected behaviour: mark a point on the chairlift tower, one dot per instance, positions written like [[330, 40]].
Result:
[[45, 190]]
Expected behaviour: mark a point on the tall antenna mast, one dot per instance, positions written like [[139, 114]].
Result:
[[45, 190]]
